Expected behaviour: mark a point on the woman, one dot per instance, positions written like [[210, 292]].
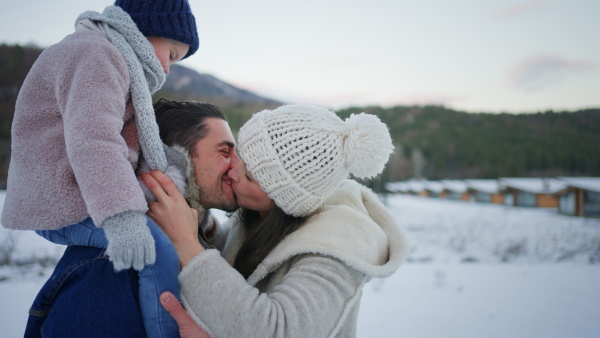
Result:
[[306, 240]]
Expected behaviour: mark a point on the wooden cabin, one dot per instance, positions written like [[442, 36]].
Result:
[[433, 188], [454, 190], [417, 188], [396, 187], [484, 191], [530, 192], [580, 196]]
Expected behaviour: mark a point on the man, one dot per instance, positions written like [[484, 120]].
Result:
[[202, 130], [85, 296]]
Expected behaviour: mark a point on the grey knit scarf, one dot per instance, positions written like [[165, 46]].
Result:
[[145, 72]]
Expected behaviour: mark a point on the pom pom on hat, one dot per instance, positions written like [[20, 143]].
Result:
[[300, 154], [367, 146]]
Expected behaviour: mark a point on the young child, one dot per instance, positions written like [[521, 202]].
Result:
[[82, 117]]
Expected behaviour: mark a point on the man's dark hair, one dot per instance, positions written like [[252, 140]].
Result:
[[183, 123]]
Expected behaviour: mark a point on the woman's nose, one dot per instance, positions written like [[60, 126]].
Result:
[[234, 160], [234, 172]]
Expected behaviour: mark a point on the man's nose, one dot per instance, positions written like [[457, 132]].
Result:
[[233, 173]]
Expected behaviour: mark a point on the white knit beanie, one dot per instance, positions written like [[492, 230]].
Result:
[[300, 154]]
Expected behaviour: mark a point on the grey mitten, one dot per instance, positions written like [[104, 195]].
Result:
[[176, 169], [130, 243]]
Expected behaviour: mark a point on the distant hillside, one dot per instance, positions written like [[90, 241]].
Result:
[[184, 81], [436, 143], [182, 84], [15, 62], [239, 104], [431, 142]]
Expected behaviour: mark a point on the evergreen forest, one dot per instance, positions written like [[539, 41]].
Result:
[[431, 142]]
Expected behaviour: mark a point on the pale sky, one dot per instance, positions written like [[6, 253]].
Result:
[[489, 56]]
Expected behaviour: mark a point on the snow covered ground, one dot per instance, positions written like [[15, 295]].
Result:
[[473, 271]]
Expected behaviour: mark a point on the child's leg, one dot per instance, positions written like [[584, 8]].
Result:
[[84, 233], [153, 279]]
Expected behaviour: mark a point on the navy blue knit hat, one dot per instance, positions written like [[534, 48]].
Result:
[[172, 19]]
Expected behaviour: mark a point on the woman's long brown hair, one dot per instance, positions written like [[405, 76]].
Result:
[[262, 236]]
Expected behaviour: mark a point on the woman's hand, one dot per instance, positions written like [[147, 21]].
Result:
[[173, 215], [187, 327]]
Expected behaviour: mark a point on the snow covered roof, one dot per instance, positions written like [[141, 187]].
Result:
[[415, 186], [586, 183], [486, 186], [533, 185], [396, 187], [458, 186], [434, 186]]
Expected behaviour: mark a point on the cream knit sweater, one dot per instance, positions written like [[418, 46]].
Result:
[[310, 285]]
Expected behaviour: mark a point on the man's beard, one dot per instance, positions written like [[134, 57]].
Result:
[[218, 202]]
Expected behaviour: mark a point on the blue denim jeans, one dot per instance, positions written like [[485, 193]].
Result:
[[153, 279], [85, 297]]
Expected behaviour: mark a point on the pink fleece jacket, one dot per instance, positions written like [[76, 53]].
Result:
[[74, 139]]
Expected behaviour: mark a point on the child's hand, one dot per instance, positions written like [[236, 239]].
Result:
[[130, 243]]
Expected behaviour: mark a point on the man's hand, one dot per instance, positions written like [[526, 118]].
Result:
[[187, 327], [174, 216]]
